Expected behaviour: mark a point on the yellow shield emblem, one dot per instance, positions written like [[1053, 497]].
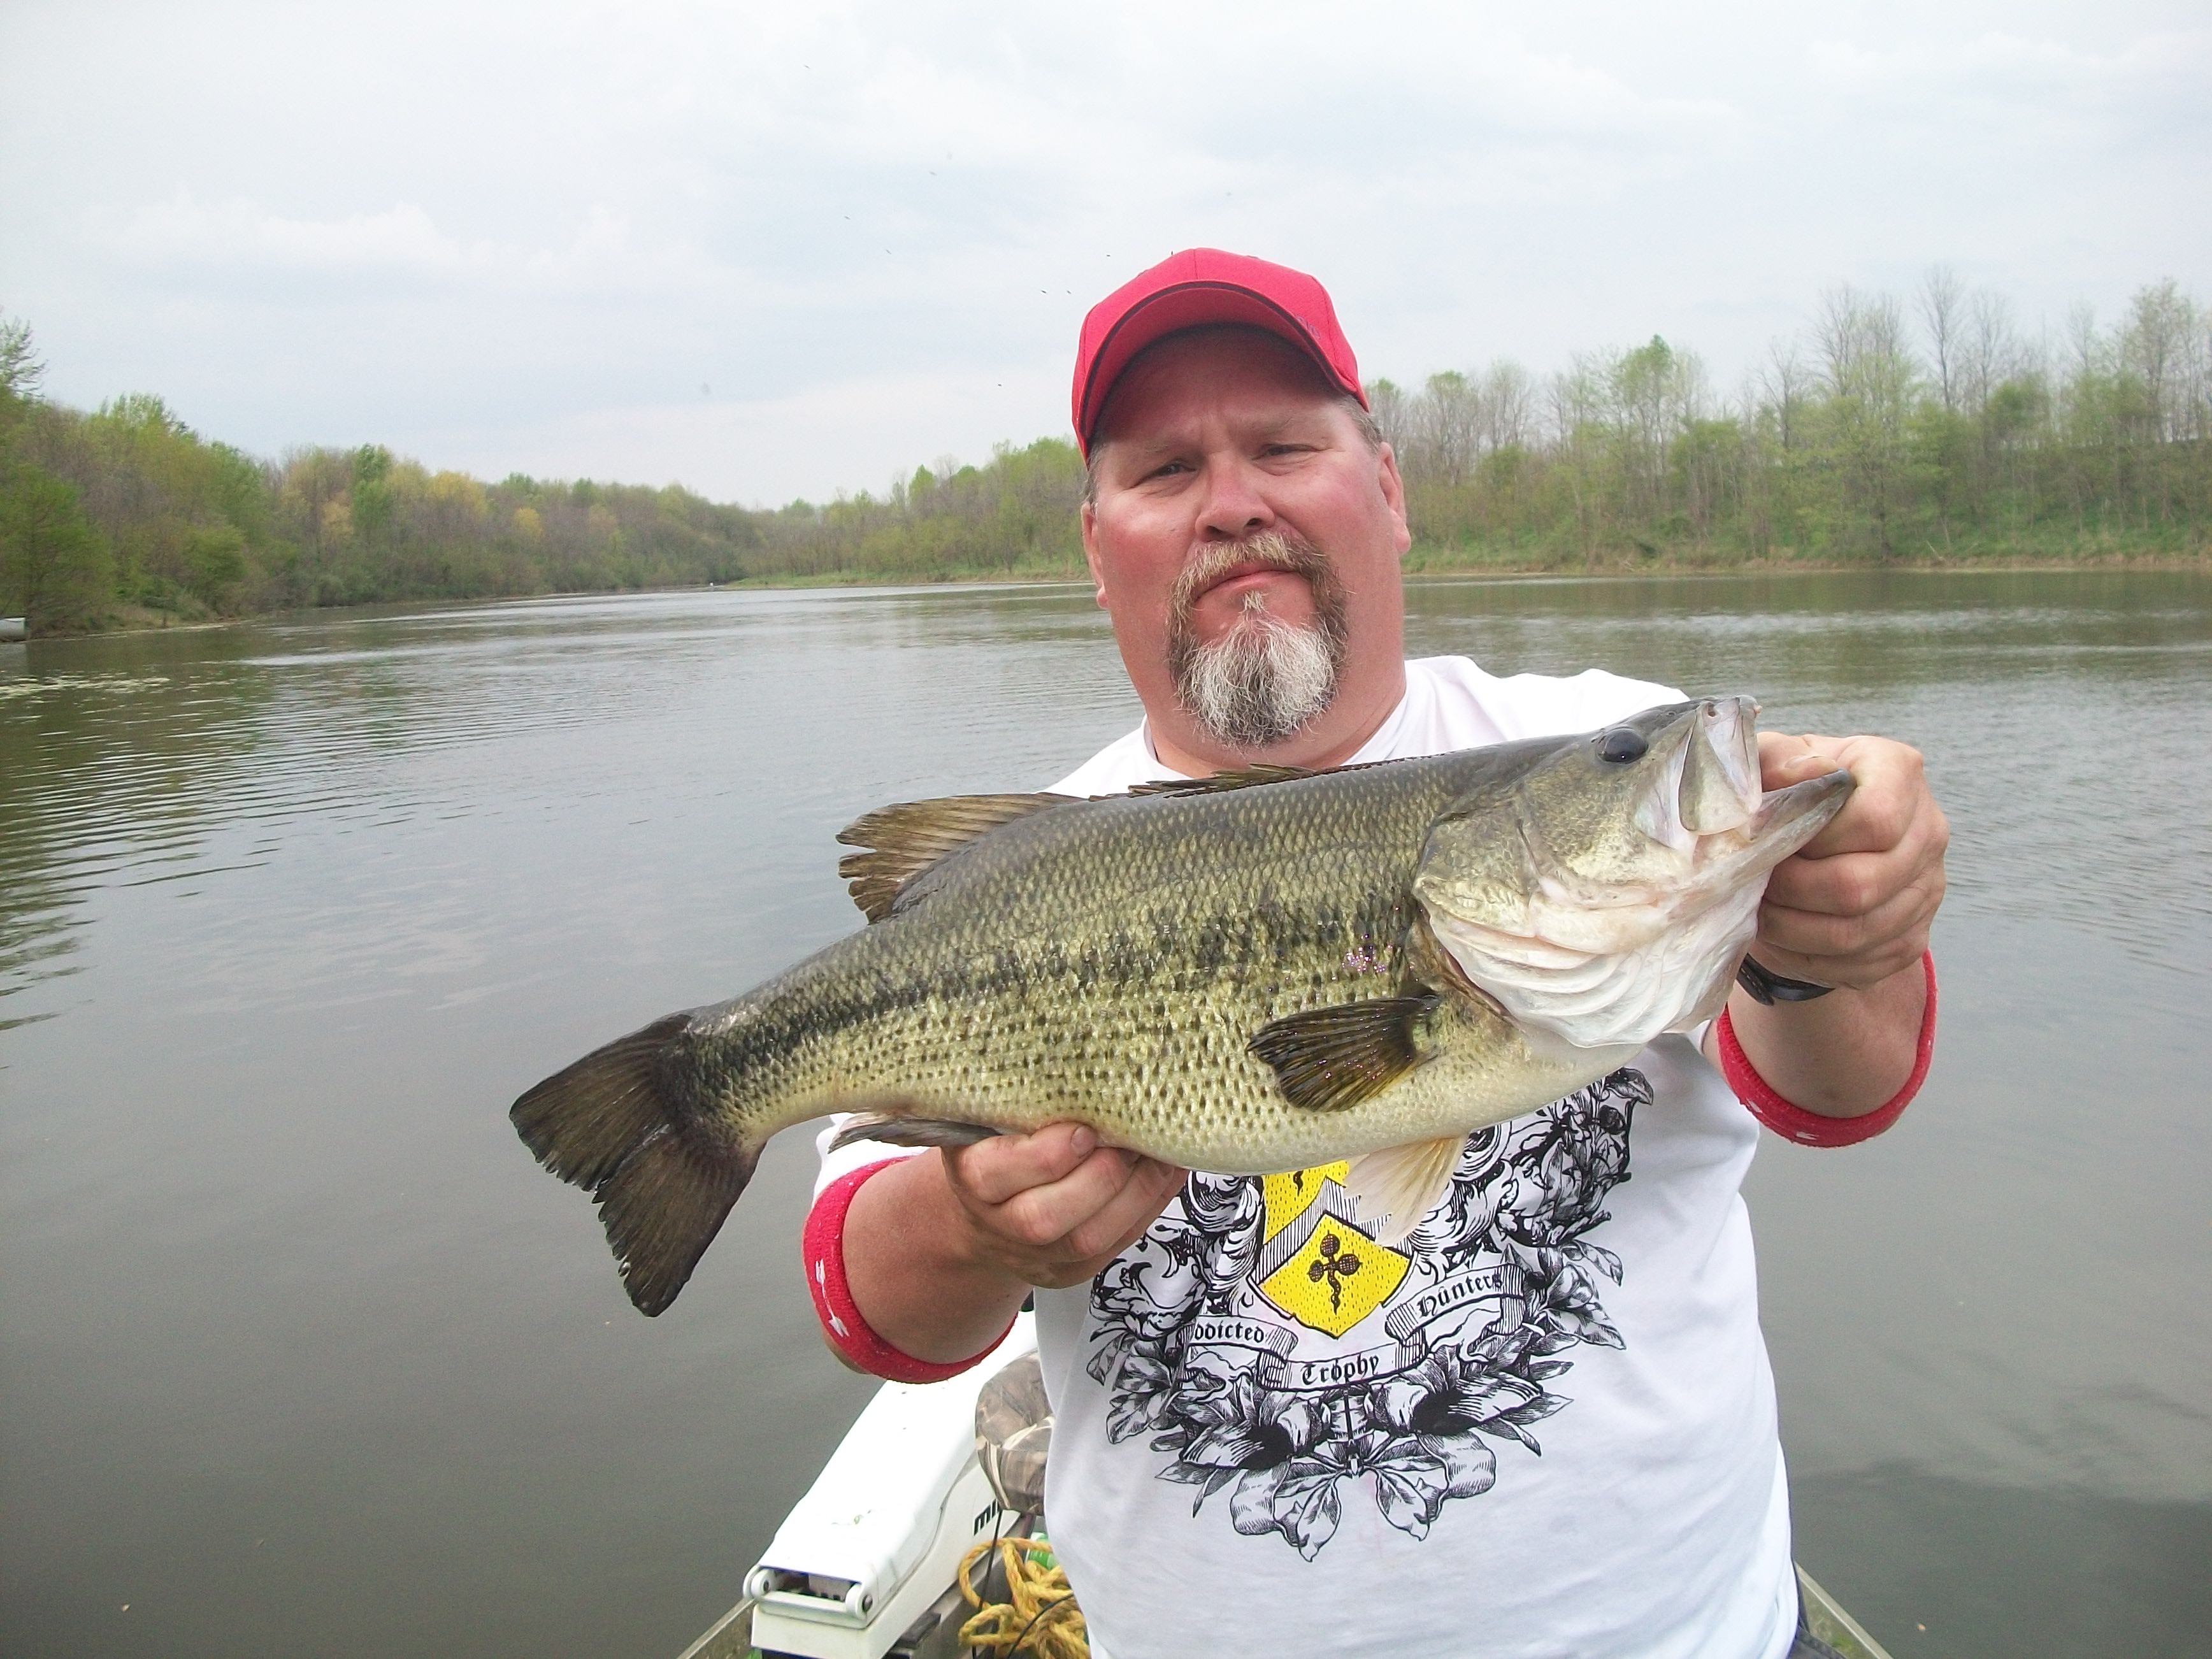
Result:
[[1315, 1265]]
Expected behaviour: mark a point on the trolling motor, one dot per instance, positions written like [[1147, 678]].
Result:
[[861, 1567]]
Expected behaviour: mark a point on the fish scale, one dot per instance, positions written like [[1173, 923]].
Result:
[[1157, 1006], [1237, 974]]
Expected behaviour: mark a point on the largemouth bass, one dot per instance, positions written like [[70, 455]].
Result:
[[1261, 971]]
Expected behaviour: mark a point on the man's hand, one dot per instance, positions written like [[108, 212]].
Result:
[[1054, 1208], [1851, 910], [941, 1249], [1853, 907]]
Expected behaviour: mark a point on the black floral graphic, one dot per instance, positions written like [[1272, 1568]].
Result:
[[1502, 1281], [1336, 1265]]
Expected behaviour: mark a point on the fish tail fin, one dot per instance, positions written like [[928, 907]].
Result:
[[612, 1123]]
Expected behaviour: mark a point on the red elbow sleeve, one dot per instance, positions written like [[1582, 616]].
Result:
[[821, 1249], [1794, 1122]]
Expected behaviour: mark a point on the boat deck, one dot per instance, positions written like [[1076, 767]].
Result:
[[732, 1633]]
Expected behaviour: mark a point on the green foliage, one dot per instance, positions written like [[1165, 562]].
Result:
[[53, 569], [1858, 451], [214, 562], [1853, 447], [21, 370]]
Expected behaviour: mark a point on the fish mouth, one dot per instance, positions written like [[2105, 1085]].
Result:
[[1708, 784], [1736, 828], [1707, 803]]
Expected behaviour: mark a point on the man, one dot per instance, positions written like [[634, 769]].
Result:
[[1274, 1434]]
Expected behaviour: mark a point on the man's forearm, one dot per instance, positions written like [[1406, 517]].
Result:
[[1840, 1055], [909, 1270]]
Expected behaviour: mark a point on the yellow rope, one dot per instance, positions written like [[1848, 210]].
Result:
[[1042, 1619]]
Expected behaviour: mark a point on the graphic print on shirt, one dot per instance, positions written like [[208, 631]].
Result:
[[1269, 1346]]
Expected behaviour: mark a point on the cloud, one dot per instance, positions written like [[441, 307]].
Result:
[[226, 240], [531, 230], [2027, 89], [829, 438]]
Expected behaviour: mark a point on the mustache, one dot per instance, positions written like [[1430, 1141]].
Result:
[[1210, 561], [1264, 679]]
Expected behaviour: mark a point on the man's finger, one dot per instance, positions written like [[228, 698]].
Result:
[[1787, 757], [1151, 1188], [1890, 805], [1850, 884], [1041, 1216], [1899, 923], [992, 1171]]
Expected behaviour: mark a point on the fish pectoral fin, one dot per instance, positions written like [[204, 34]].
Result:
[[1243, 777], [1403, 1183], [900, 1131], [1329, 1058], [901, 841]]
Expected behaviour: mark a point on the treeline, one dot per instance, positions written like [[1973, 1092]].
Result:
[[1888, 430], [125, 513]]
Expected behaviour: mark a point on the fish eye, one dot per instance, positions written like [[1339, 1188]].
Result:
[[1621, 744]]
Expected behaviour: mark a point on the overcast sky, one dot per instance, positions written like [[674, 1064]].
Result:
[[786, 250]]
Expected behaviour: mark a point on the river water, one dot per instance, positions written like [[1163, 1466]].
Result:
[[301, 1353]]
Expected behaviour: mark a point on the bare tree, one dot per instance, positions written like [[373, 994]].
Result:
[[1990, 349], [1387, 402], [2156, 342], [1447, 423], [1871, 377], [1509, 399], [1942, 308], [1782, 386]]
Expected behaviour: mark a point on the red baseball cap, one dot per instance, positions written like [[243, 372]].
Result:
[[1190, 289]]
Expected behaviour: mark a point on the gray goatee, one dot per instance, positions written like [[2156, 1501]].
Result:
[[1265, 679]]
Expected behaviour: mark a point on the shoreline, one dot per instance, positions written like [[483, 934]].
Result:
[[1418, 571]]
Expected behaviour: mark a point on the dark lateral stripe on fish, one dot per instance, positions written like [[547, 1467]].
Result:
[[1114, 961], [1251, 974]]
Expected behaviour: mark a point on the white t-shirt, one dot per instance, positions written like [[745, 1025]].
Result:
[[1273, 1436]]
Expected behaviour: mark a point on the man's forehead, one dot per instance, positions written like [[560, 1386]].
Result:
[[1176, 380]]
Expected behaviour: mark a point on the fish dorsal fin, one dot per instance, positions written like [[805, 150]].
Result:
[[1243, 777], [1329, 1058], [900, 842], [1403, 1183]]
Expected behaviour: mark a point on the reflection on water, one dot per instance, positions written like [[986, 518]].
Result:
[[302, 1352]]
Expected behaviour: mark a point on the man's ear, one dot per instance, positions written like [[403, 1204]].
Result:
[[1089, 519], [1394, 494]]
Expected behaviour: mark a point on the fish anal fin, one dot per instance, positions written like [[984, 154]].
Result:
[[616, 1122], [899, 842], [1327, 1060], [1402, 1183], [896, 1129]]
